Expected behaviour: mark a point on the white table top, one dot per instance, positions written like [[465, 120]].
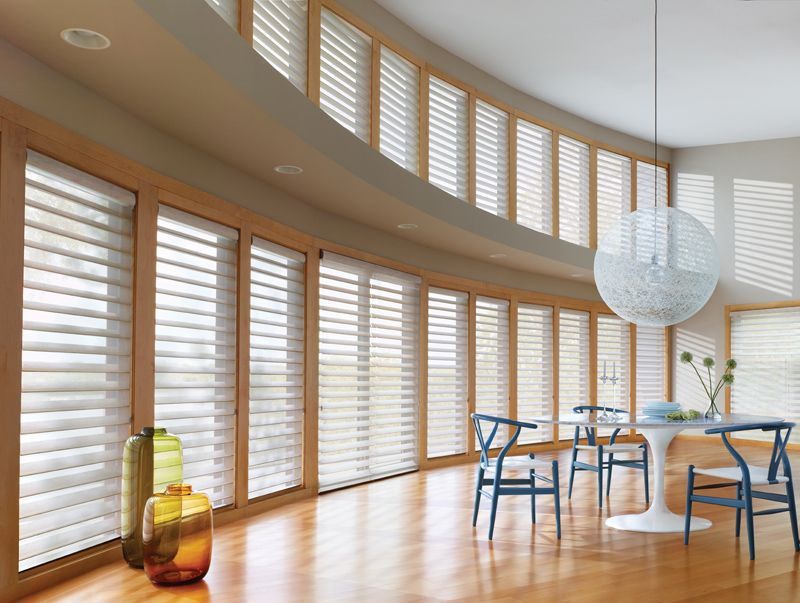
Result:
[[644, 422]]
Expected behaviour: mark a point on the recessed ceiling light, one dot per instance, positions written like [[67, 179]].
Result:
[[407, 226], [288, 169], [497, 256], [85, 38]]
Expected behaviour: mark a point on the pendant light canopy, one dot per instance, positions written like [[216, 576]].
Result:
[[658, 265]]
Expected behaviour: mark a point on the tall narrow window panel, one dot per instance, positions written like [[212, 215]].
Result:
[[613, 360], [280, 35], [368, 371], [399, 110], [76, 349], [650, 375], [613, 189], [448, 138], [573, 191], [491, 159], [534, 177], [651, 185], [766, 346], [534, 369], [345, 74], [277, 314], [448, 372], [492, 361], [573, 363], [195, 370], [228, 10]]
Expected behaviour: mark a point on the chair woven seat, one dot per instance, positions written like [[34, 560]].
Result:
[[758, 475]]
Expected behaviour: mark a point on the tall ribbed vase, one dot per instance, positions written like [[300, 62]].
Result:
[[151, 460]]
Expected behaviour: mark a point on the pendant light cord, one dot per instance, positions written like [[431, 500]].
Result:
[[654, 257]]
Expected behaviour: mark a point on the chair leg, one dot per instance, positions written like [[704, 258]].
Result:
[[600, 476], [738, 510], [689, 490], [792, 513], [610, 467], [533, 496], [495, 499], [572, 471], [646, 477], [477, 497], [557, 499], [748, 509]]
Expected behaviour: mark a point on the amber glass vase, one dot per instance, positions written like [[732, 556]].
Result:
[[151, 461], [177, 535]]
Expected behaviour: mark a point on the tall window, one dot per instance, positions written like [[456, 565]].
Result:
[[534, 177], [573, 363], [448, 137], [613, 359], [648, 178], [491, 159], [196, 346], [573, 191], [277, 314], [448, 372], [76, 360], [492, 361], [345, 74], [280, 35], [399, 110], [613, 189], [368, 371], [534, 369], [766, 346], [650, 374]]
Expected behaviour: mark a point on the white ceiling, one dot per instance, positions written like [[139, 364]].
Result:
[[729, 70]]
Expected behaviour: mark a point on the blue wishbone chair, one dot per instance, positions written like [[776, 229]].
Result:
[[602, 449], [744, 477], [493, 468]]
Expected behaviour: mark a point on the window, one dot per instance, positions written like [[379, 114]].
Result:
[[534, 369], [613, 360], [76, 349], [448, 371], [448, 137], [399, 110], [368, 371], [228, 10], [280, 35], [573, 363], [613, 190], [345, 74], [277, 314], [195, 355], [491, 159], [534, 177], [650, 376], [646, 174], [573, 191], [491, 361], [766, 346]]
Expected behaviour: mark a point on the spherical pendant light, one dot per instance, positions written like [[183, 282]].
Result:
[[656, 266]]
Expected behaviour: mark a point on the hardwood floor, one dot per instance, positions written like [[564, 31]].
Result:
[[409, 538]]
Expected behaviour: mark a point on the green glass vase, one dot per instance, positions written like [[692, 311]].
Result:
[[151, 460]]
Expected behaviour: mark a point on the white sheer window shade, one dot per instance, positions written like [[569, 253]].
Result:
[[195, 356], [534, 177], [650, 373], [573, 364], [448, 372], [280, 35], [277, 315], [491, 159], [492, 362], [573, 191], [647, 178], [399, 110], [448, 138], [76, 348], [613, 189], [534, 369], [368, 371]]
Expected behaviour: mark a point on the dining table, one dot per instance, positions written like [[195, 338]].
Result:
[[659, 433]]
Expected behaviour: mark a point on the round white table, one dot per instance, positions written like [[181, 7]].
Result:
[[659, 433]]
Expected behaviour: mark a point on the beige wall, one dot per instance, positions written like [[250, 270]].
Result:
[[736, 190]]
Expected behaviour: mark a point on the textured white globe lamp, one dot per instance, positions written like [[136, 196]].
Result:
[[656, 266]]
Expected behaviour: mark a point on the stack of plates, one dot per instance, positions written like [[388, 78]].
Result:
[[660, 409]]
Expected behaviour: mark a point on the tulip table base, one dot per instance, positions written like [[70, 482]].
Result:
[[658, 518]]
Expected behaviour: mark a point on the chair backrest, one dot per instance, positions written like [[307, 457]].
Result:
[[778, 456], [591, 432], [486, 442]]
